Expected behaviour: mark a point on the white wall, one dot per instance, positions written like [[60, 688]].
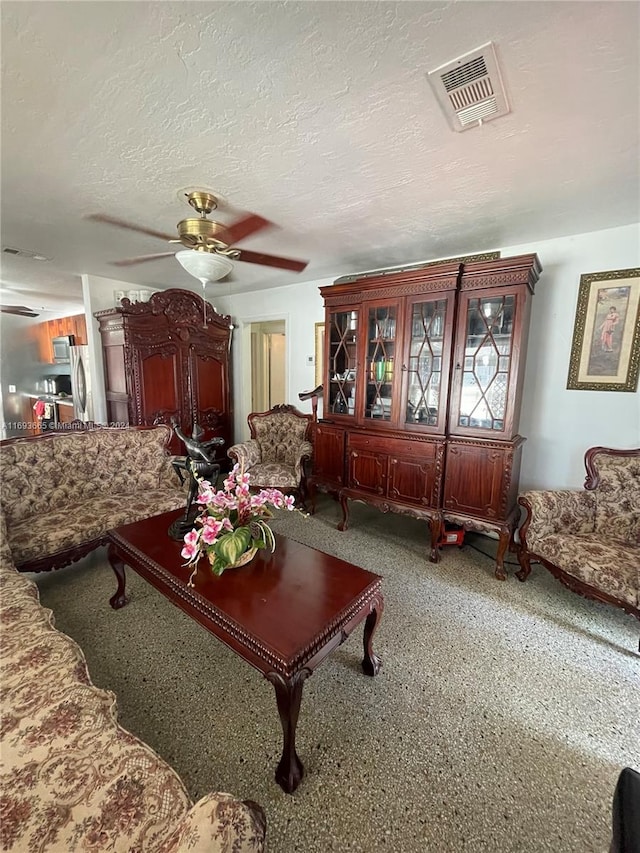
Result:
[[301, 307], [559, 424], [98, 295]]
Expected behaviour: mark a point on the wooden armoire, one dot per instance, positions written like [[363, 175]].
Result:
[[423, 373], [169, 358]]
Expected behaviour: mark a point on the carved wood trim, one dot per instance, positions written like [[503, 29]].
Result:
[[507, 444], [414, 289], [61, 558], [582, 588], [481, 525], [492, 280], [521, 269], [385, 505], [280, 409]]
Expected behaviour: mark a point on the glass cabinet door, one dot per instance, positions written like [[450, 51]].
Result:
[[380, 361], [340, 343], [427, 323], [484, 362]]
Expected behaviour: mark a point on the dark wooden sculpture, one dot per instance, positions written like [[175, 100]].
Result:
[[199, 464]]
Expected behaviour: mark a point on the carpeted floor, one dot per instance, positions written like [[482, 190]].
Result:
[[499, 722]]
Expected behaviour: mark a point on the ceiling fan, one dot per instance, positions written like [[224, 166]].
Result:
[[203, 235], [20, 310]]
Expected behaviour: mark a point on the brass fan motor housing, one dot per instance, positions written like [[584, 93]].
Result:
[[202, 233], [202, 201]]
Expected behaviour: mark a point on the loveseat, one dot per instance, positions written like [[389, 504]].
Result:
[[589, 539], [62, 492], [72, 779]]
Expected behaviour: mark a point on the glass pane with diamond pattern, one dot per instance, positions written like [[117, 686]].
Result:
[[381, 343], [425, 361], [341, 341], [487, 362]]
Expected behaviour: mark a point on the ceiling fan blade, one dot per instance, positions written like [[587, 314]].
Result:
[[272, 261], [129, 262], [129, 226], [19, 310], [241, 228]]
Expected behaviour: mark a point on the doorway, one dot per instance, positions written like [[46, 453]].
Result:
[[268, 365]]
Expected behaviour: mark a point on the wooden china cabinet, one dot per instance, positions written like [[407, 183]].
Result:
[[163, 361], [423, 376]]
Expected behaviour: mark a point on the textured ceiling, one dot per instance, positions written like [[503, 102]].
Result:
[[316, 115]]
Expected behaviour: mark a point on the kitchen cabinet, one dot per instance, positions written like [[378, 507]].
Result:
[[29, 424], [64, 412], [43, 333], [78, 329], [423, 377], [163, 362]]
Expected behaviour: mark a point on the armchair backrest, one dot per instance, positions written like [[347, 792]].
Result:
[[280, 432], [614, 477]]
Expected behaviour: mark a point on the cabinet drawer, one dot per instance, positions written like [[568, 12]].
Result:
[[421, 450]]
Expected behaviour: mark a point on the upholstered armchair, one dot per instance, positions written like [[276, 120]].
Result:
[[277, 451], [589, 539]]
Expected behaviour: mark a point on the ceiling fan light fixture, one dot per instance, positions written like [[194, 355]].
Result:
[[205, 266]]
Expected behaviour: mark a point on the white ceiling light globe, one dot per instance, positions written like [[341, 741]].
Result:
[[205, 266]]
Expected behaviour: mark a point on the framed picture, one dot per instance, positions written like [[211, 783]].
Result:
[[605, 352], [319, 353]]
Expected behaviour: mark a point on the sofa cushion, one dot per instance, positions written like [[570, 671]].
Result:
[[280, 436], [618, 496], [609, 565], [62, 469], [273, 475], [64, 527]]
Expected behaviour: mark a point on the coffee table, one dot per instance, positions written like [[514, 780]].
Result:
[[283, 613]]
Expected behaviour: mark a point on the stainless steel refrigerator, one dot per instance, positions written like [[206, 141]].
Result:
[[81, 384]]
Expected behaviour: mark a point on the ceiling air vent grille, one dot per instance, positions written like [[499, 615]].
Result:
[[469, 88], [24, 253]]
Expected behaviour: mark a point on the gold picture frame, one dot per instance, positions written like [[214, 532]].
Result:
[[319, 353], [605, 351]]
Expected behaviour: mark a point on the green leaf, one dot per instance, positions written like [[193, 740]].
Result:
[[231, 546], [269, 540]]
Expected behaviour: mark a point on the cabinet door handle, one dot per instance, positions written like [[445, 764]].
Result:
[[458, 367], [404, 367]]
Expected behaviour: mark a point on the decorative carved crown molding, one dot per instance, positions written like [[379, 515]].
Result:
[[183, 309]]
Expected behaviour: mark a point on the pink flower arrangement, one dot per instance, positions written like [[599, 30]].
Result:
[[232, 521]]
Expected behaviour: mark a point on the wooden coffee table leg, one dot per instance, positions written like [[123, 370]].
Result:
[[119, 599], [288, 696], [371, 663]]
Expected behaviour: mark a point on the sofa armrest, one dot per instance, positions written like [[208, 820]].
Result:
[[552, 511], [305, 452], [219, 823], [247, 453]]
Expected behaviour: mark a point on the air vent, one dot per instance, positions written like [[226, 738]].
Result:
[[23, 253], [469, 88]]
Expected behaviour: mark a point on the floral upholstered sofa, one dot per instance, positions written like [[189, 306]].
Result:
[[275, 455], [589, 539], [73, 780], [62, 492]]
